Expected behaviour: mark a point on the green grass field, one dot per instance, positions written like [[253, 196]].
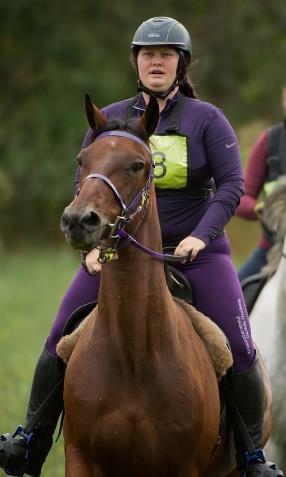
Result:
[[31, 286]]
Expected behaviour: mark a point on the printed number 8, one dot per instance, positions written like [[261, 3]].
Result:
[[159, 163]]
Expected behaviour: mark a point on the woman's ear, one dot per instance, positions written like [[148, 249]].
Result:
[[150, 118], [94, 116]]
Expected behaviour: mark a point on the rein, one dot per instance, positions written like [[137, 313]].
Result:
[[138, 204], [159, 256]]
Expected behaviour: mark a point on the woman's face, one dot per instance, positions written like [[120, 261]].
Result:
[[157, 67]]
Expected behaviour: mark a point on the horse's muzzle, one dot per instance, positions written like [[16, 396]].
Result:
[[81, 229]]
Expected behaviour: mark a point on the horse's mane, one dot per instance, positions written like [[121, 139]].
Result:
[[132, 126], [274, 218]]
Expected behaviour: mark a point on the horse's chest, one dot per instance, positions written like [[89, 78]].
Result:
[[156, 406], [134, 432], [139, 416]]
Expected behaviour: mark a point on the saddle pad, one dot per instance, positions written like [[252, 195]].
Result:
[[214, 339]]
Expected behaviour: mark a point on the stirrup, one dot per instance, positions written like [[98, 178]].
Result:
[[20, 431], [248, 458], [15, 463], [255, 465]]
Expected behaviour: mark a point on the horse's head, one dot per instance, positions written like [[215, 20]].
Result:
[[115, 175], [273, 215]]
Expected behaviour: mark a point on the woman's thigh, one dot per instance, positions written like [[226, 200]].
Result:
[[82, 290], [218, 295]]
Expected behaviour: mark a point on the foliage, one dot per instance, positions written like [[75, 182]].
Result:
[[53, 52]]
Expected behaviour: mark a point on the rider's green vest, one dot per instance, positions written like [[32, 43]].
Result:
[[276, 161], [170, 152]]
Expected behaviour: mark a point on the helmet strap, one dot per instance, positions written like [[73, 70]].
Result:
[[157, 94]]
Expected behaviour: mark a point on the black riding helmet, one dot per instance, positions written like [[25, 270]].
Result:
[[168, 32]]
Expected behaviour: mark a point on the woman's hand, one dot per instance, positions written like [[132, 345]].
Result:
[[190, 245], [91, 262]]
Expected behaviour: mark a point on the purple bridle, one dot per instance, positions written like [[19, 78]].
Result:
[[128, 212], [133, 204]]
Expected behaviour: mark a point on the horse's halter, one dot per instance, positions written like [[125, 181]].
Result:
[[138, 204]]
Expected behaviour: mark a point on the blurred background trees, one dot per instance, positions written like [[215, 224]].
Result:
[[53, 52]]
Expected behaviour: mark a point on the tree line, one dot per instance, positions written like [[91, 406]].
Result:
[[54, 52]]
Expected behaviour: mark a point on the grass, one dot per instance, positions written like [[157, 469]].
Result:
[[32, 283]]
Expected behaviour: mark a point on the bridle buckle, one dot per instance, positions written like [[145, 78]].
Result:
[[116, 225]]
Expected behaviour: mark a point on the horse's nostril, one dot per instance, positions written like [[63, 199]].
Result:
[[89, 221], [65, 222]]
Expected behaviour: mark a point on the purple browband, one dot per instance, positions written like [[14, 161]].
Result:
[[124, 134]]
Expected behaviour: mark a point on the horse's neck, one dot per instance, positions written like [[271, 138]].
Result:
[[134, 299], [281, 272], [278, 316], [284, 247], [281, 268]]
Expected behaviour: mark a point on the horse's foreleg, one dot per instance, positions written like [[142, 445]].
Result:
[[76, 464]]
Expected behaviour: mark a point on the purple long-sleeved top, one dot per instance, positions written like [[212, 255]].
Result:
[[213, 159]]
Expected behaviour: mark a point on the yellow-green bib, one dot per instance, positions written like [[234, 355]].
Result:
[[170, 155]]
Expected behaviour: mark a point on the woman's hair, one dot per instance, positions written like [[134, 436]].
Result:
[[185, 83]]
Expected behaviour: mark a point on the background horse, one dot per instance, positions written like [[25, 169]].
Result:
[[268, 319], [141, 394]]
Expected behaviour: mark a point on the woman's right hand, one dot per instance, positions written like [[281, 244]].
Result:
[[91, 262]]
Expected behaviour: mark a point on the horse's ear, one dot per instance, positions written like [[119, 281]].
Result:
[[94, 116], [150, 118]]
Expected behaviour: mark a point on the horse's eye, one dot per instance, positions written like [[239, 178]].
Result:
[[137, 166], [79, 160]]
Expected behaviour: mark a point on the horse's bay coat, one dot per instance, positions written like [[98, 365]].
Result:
[[141, 394]]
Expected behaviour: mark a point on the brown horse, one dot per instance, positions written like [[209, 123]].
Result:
[[141, 394]]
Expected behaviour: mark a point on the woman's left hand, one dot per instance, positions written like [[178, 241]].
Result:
[[190, 245], [91, 262]]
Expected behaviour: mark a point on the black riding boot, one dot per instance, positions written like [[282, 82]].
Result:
[[246, 390], [25, 451]]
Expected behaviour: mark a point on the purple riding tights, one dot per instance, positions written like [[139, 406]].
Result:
[[217, 294]]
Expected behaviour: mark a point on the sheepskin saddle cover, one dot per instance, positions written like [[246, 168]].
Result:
[[214, 339]]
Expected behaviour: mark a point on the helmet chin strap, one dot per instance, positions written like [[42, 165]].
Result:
[[157, 94]]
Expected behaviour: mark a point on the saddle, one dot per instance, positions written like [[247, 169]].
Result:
[[178, 285], [209, 332], [251, 287]]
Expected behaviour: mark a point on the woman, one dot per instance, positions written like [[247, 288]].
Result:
[[194, 149], [266, 165]]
